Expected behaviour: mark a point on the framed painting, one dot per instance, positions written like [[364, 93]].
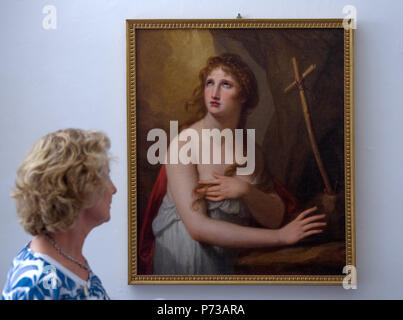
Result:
[[240, 152]]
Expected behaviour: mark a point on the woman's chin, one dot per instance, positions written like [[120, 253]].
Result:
[[107, 218], [104, 219]]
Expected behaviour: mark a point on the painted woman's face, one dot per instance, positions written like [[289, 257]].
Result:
[[221, 94]]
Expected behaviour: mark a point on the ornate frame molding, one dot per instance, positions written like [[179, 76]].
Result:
[[131, 28]]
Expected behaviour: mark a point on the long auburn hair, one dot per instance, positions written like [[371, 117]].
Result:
[[248, 91]]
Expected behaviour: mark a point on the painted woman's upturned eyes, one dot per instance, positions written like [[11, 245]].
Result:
[[225, 84], [209, 82]]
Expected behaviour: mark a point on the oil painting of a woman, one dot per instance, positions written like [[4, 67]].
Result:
[[247, 196], [208, 210]]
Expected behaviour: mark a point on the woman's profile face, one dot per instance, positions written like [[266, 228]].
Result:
[[100, 211], [221, 94]]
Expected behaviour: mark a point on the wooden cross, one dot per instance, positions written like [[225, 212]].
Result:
[[298, 84]]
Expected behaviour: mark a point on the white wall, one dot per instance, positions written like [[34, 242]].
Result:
[[75, 76]]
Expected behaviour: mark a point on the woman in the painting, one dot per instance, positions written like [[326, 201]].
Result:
[[207, 210]]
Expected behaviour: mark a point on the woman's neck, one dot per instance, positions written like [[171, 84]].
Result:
[[210, 122], [71, 241]]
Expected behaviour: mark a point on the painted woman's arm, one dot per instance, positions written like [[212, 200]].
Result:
[[267, 207], [182, 179]]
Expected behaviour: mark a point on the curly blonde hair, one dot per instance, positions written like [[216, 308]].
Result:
[[59, 177]]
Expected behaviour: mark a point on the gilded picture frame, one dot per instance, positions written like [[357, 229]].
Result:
[[163, 61]]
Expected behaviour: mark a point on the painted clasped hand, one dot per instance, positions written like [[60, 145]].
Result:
[[223, 187]]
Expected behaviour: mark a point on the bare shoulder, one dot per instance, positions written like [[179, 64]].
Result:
[[176, 167], [177, 141], [196, 126]]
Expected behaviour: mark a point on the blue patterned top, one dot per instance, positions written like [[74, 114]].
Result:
[[36, 276]]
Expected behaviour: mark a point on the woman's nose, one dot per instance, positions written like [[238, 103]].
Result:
[[216, 92], [114, 189]]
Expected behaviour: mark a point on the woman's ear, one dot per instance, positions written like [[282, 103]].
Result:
[[241, 96]]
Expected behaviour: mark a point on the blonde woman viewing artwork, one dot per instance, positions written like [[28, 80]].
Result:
[[207, 210], [63, 190]]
